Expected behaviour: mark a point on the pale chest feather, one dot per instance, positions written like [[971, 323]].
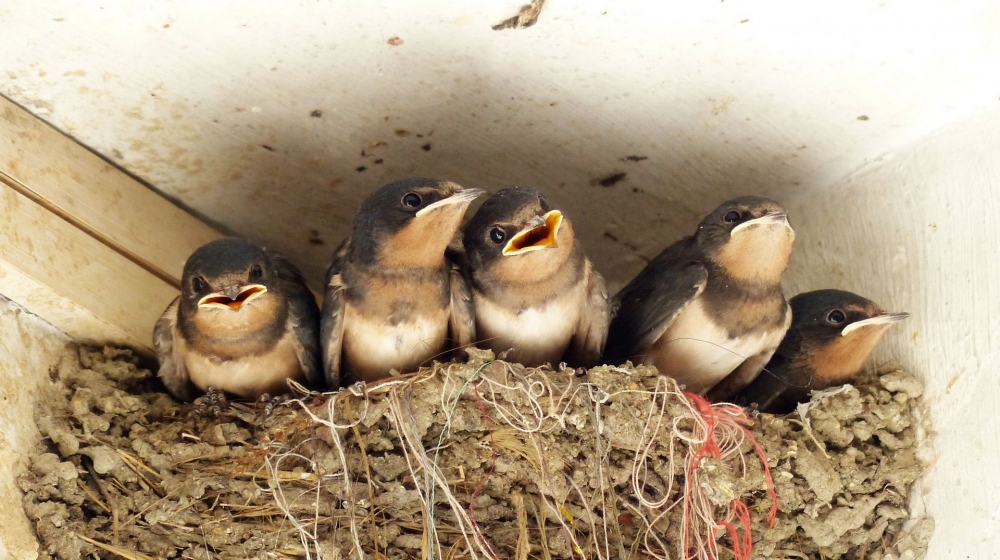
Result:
[[372, 345], [249, 376], [538, 334], [698, 353]]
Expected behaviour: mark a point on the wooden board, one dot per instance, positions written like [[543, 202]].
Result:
[[82, 244], [95, 196]]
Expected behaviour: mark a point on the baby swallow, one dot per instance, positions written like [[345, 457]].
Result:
[[832, 334], [709, 310], [534, 289], [393, 300], [244, 323]]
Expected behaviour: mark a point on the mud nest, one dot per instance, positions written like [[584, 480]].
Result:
[[480, 460]]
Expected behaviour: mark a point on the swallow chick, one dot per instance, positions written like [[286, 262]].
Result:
[[832, 335], [533, 287], [393, 299], [244, 323], [709, 310]]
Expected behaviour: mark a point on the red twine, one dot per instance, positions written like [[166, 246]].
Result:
[[711, 414]]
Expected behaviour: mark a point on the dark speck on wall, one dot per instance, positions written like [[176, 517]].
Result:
[[426, 147], [266, 147], [378, 161], [314, 238], [402, 132], [360, 169], [634, 158], [316, 113], [863, 118], [613, 179]]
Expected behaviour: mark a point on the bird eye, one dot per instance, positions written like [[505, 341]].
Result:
[[836, 317], [198, 284], [411, 200], [498, 235], [256, 273], [731, 217]]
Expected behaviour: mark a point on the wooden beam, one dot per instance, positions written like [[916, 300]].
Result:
[[95, 196], [82, 244]]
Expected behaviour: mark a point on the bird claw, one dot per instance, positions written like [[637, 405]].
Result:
[[213, 403], [270, 402]]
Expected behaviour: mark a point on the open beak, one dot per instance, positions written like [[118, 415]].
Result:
[[464, 196], [883, 320], [539, 233], [771, 219], [233, 297]]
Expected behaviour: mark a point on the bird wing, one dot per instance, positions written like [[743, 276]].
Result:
[[592, 330], [462, 318], [331, 336], [771, 393], [303, 319], [172, 371], [643, 309]]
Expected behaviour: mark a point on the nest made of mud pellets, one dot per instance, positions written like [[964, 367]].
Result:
[[554, 464]]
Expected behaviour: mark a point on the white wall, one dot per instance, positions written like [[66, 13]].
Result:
[[874, 121], [29, 347], [919, 231]]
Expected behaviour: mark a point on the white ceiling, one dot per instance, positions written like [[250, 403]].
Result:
[[258, 115]]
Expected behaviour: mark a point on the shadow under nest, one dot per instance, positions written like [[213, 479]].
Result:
[[614, 462]]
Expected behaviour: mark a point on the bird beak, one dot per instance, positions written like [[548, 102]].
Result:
[[771, 219], [464, 196], [883, 320], [233, 297], [539, 233]]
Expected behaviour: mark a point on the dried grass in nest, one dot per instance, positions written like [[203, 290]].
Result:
[[555, 464]]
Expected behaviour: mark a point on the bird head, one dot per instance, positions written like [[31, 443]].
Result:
[[749, 238], [409, 223], [837, 332], [517, 235], [228, 286]]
